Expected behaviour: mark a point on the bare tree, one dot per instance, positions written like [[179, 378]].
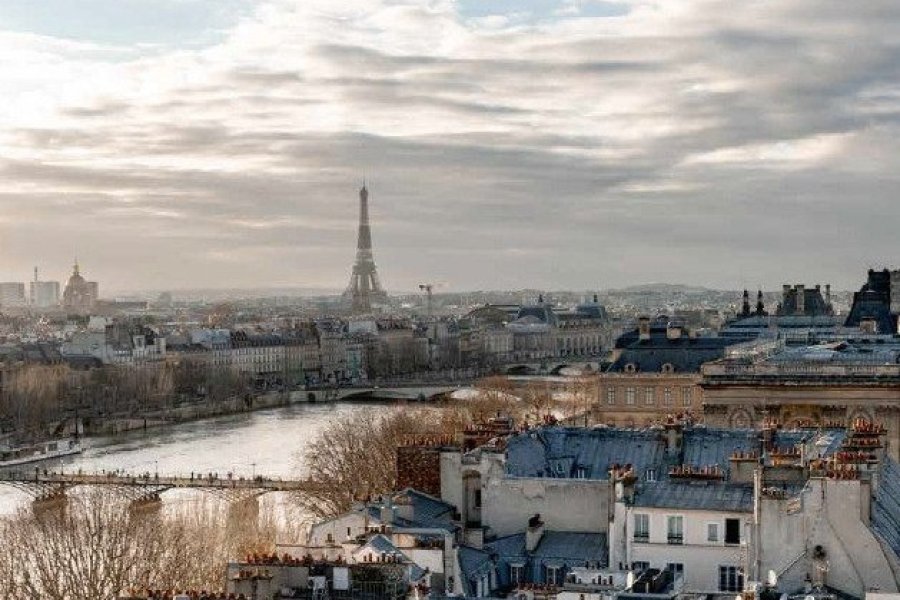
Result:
[[355, 457], [97, 548]]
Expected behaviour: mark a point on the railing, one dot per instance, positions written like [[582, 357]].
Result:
[[726, 368], [198, 481], [675, 539]]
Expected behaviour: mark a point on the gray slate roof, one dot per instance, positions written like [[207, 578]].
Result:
[[560, 452], [572, 547], [886, 509], [715, 496]]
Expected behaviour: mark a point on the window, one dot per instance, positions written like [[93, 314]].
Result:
[[641, 527], [649, 396], [552, 575], [610, 395], [667, 397], [477, 498], [731, 579], [712, 532], [629, 395], [348, 532], [686, 396], [676, 568], [515, 574], [650, 475], [639, 566], [675, 529], [732, 531]]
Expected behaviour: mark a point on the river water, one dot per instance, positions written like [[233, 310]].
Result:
[[267, 442]]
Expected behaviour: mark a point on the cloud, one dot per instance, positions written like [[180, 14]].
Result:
[[583, 144]]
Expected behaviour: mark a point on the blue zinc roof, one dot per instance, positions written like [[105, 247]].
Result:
[[555, 549], [574, 549], [581, 453], [886, 509], [428, 512], [695, 495]]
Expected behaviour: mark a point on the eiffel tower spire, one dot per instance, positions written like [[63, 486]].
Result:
[[364, 287]]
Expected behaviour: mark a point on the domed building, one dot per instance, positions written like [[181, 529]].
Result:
[[79, 293]]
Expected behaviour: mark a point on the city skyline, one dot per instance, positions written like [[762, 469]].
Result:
[[562, 145]]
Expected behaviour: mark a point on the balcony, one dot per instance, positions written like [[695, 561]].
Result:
[[641, 537], [675, 539]]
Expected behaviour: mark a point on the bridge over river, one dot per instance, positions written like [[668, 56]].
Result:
[[46, 486], [411, 391]]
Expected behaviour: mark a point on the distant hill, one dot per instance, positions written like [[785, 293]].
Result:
[[663, 288]]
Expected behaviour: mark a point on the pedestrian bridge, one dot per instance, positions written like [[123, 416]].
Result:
[[43, 485]]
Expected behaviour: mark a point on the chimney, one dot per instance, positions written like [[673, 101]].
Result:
[[534, 533], [623, 480], [643, 328], [674, 436], [595, 299], [745, 305], [404, 508], [868, 325], [387, 511], [801, 299], [743, 466], [760, 305], [674, 330], [828, 294]]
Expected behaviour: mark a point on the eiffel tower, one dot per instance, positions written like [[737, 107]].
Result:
[[364, 288]]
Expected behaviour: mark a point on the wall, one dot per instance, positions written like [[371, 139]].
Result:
[[564, 504], [701, 558], [611, 408], [508, 503], [419, 467], [337, 528], [731, 405], [830, 516]]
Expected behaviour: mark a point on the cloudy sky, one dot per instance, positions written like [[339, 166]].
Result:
[[508, 143]]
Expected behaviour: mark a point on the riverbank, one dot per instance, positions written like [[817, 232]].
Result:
[[194, 411]]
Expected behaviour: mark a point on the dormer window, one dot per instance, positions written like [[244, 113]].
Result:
[[631, 368], [668, 368]]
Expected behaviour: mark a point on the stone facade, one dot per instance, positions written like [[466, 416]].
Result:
[[643, 399], [808, 395]]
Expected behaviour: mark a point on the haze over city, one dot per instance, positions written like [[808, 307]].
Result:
[[566, 144]]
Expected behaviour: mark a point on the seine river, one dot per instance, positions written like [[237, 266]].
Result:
[[267, 442]]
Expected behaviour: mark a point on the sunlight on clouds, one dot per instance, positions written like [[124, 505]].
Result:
[[485, 116], [784, 154]]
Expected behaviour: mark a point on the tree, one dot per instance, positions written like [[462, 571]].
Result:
[[496, 395], [537, 400], [96, 547], [355, 457]]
